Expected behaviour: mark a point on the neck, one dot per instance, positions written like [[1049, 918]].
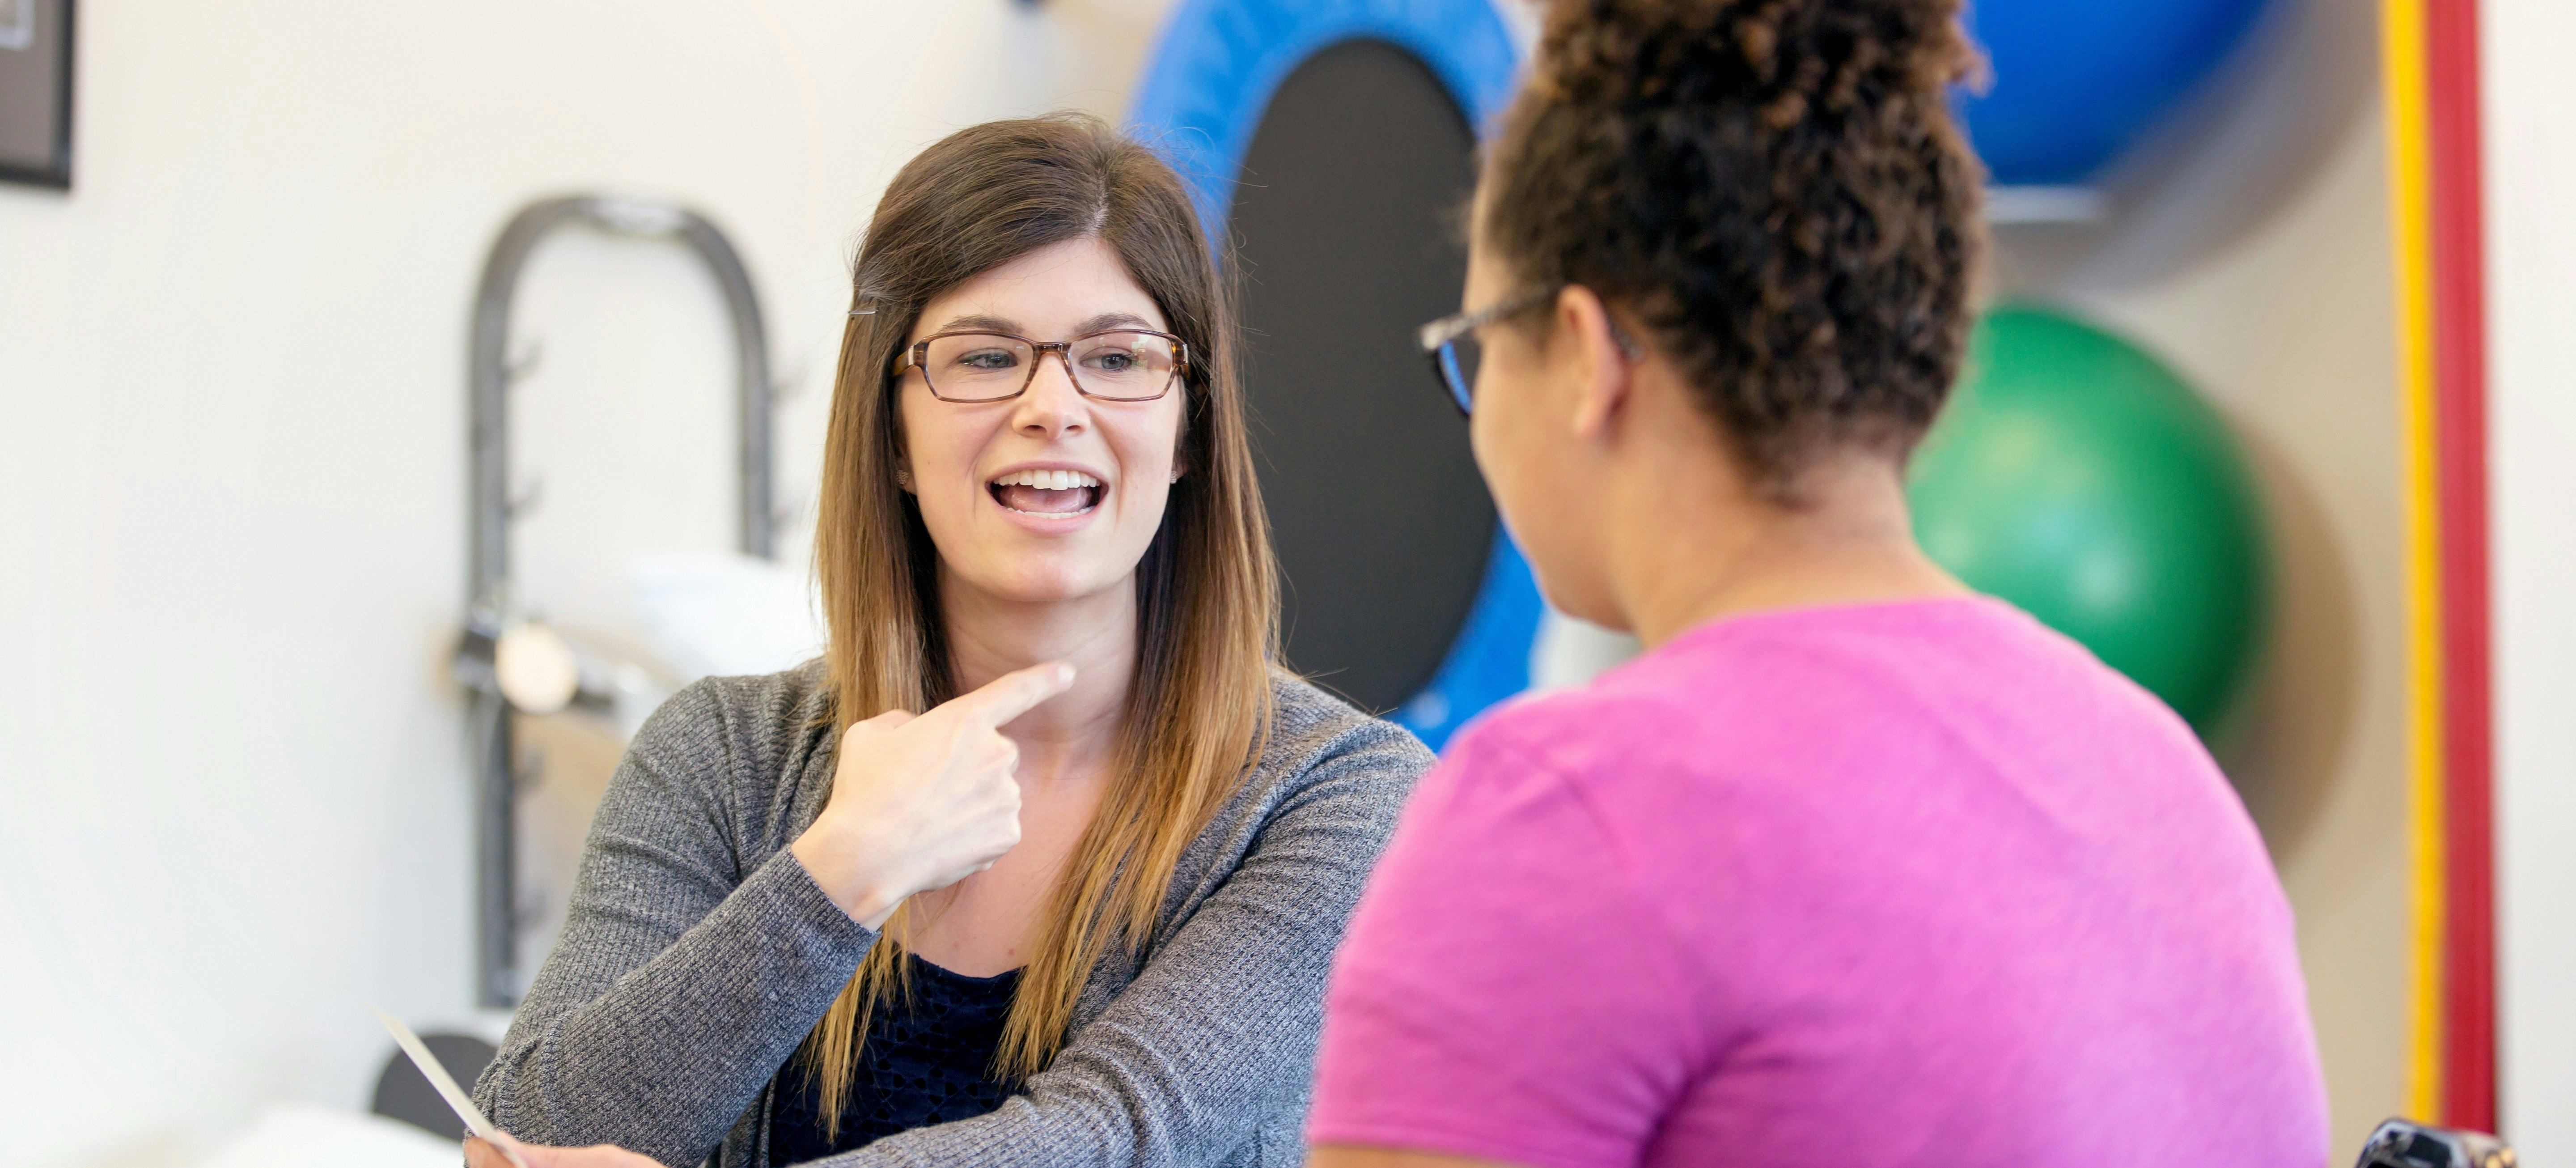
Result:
[[1073, 735], [1711, 549]]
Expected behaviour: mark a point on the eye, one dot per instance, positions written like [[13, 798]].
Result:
[[987, 359], [1113, 361]]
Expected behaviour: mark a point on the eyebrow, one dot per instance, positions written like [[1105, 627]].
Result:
[[1111, 320], [990, 324], [1000, 324]]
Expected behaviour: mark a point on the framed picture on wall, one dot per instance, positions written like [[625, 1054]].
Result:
[[36, 92]]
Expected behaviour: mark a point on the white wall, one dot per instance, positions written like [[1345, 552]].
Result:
[[232, 799], [2530, 118], [232, 418], [2250, 251]]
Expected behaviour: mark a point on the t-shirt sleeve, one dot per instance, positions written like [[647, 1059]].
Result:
[[1505, 992]]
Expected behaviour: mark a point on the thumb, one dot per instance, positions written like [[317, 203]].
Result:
[[1013, 694], [501, 1151]]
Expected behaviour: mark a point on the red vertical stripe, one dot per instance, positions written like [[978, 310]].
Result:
[[2459, 419]]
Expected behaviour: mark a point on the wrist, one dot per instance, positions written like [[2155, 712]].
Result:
[[864, 890], [874, 903]]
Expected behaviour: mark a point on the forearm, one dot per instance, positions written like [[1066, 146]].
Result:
[[664, 1058]]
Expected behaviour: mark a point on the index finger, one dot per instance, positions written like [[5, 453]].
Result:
[[1016, 693]]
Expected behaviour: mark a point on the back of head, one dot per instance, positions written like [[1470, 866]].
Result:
[[1774, 189]]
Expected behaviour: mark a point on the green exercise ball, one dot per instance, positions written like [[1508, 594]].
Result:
[[2080, 479]]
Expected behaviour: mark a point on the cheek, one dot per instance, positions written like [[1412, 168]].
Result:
[[939, 445], [1499, 435], [1149, 449], [914, 425], [1521, 455]]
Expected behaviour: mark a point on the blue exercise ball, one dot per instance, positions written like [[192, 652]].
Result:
[[2076, 82]]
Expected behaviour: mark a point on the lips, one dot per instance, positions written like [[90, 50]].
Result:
[[1060, 493]]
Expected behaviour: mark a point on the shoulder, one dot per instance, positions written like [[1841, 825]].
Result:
[[1324, 762], [738, 731], [1789, 685], [1320, 801], [1631, 746], [1573, 732], [1314, 735]]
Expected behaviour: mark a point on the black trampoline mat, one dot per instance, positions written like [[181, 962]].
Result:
[[1347, 225]]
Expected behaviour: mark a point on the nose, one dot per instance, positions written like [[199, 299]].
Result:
[[1051, 407]]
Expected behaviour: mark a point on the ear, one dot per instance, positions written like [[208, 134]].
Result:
[[1605, 371]]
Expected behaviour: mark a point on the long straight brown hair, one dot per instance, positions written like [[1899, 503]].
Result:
[[1198, 708]]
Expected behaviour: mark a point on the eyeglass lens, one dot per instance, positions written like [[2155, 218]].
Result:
[[1116, 366], [1458, 361]]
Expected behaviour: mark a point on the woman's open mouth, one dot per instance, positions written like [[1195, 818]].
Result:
[[1052, 493]]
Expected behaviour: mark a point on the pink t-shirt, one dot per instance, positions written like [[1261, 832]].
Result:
[[1919, 883]]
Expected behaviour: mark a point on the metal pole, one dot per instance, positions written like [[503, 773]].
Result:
[[498, 981]]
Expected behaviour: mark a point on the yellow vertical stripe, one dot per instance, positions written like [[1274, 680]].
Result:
[[2411, 213]]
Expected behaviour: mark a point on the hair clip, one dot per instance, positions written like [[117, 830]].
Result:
[[863, 312]]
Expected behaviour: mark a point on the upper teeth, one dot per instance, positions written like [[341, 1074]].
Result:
[[1047, 480]]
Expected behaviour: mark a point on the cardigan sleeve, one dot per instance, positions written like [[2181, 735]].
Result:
[[1218, 1031], [680, 982]]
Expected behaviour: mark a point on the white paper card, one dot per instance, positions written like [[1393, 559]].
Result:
[[436, 1073]]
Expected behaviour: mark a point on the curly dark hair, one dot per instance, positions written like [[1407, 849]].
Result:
[[1774, 189]]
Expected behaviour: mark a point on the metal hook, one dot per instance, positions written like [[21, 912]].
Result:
[[527, 500], [532, 908], [531, 771], [524, 365]]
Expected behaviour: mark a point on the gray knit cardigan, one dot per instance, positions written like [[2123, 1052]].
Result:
[[698, 953]]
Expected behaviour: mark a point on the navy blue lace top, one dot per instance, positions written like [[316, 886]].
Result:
[[924, 1063]]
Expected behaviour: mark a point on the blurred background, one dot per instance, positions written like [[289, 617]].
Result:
[[258, 767]]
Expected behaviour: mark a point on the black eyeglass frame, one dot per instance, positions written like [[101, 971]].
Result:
[[917, 356], [1440, 338]]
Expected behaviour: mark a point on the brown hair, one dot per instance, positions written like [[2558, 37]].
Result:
[[1774, 188], [1198, 708]]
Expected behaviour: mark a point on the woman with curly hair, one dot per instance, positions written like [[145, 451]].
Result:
[[1853, 867]]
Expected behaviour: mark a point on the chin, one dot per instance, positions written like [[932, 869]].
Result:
[[1589, 605], [1605, 615], [1043, 580]]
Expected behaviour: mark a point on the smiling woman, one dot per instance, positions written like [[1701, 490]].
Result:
[[1045, 861]]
